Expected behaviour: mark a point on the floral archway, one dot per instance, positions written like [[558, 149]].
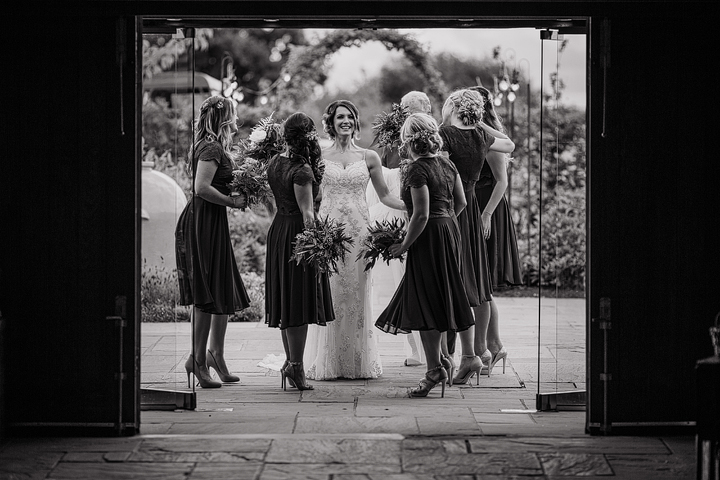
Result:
[[306, 66]]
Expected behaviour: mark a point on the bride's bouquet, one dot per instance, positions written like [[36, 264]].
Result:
[[379, 239], [322, 245], [387, 126]]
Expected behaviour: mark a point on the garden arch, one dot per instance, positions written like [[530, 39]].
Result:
[[306, 65]]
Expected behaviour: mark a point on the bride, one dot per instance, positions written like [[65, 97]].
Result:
[[347, 347]]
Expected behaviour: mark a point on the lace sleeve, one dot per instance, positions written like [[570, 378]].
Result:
[[488, 140], [416, 175], [210, 151], [446, 141], [303, 174]]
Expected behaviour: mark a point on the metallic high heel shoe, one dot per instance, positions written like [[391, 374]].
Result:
[[295, 372], [202, 374], [502, 354], [467, 369], [449, 365], [282, 376], [428, 383], [224, 375]]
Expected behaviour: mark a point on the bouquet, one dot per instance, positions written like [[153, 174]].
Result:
[[387, 126], [264, 142], [379, 238], [322, 245], [250, 179]]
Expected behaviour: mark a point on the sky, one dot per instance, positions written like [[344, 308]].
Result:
[[521, 47]]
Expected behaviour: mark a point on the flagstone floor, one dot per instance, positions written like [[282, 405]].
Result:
[[365, 429]]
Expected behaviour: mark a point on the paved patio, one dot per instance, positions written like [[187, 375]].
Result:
[[360, 429]]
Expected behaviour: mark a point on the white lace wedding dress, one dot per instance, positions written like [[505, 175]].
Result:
[[347, 346]]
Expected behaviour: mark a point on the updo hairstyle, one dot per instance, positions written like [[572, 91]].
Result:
[[420, 133], [468, 105], [490, 116], [328, 118], [302, 141]]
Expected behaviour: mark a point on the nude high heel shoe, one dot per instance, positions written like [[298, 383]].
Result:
[[449, 365], [485, 358], [469, 365], [224, 375], [500, 355], [202, 374]]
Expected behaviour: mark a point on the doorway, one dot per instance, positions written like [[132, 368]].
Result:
[[546, 195]]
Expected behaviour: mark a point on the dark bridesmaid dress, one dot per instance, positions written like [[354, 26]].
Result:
[[295, 295], [207, 271], [467, 150], [504, 261], [431, 294]]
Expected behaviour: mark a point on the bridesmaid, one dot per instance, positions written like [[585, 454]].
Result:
[[499, 229], [207, 270], [431, 296], [295, 295], [467, 140]]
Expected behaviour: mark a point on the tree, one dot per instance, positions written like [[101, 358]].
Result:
[[257, 55], [160, 52]]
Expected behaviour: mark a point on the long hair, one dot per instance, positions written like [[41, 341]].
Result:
[[328, 118], [420, 133], [468, 105], [490, 116], [302, 141], [214, 124]]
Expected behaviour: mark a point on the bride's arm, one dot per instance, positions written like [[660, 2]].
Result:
[[378, 180]]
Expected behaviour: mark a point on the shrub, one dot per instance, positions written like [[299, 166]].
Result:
[[563, 245], [159, 296], [255, 286]]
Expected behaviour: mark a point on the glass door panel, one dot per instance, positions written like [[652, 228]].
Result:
[[561, 231], [170, 95]]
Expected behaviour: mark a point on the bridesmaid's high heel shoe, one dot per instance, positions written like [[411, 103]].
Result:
[[202, 374], [467, 369], [428, 383], [294, 372], [502, 354], [485, 358], [449, 365], [224, 375], [282, 376]]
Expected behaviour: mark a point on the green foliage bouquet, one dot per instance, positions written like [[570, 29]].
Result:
[[322, 245], [265, 140], [387, 126], [379, 239], [250, 179]]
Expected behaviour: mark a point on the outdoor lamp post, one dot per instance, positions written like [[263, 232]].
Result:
[[504, 89], [528, 144]]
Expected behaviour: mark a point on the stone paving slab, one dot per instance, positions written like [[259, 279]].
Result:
[[513, 463], [579, 444], [347, 455]]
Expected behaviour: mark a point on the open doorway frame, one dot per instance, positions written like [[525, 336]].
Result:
[[569, 25]]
